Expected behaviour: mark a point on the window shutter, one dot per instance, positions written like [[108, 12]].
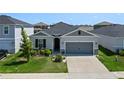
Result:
[[36, 43]]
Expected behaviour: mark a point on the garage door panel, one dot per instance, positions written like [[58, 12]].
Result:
[[79, 48]]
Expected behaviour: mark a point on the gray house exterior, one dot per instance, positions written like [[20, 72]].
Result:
[[111, 37], [10, 33], [68, 39]]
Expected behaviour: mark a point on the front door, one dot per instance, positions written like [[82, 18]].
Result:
[[56, 44]]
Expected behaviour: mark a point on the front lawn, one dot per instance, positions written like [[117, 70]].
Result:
[[16, 64], [109, 59]]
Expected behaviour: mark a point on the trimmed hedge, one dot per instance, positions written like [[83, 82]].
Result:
[[45, 52], [121, 52]]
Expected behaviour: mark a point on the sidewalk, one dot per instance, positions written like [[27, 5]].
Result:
[[119, 74], [58, 76], [34, 76]]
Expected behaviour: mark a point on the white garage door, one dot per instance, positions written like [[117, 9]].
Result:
[[79, 47]]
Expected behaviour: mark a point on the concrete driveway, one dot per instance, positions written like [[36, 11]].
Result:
[[88, 67], [85, 64]]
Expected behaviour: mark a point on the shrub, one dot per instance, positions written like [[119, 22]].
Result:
[[34, 52], [51, 51], [58, 58], [121, 52], [42, 52], [47, 52]]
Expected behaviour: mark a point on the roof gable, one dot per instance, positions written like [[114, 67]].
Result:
[[79, 33], [41, 33]]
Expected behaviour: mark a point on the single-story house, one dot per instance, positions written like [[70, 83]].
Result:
[[10, 33], [68, 39], [111, 37]]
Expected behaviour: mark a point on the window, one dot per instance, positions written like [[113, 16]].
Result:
[[6, 30], [40, 43]]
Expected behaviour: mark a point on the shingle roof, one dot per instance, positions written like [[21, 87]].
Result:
[[60, 28], [104, 23], [114, 31], [9, 20]]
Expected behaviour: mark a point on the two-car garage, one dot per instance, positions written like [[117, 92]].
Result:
[[79, 48]]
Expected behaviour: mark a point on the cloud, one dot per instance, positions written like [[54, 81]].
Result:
[[95, 16]]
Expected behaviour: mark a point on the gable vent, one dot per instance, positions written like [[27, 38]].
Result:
[[79, 32]]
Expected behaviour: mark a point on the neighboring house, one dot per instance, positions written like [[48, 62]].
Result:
[[86, 27], [111, 37], [40, 26], [10, 33], [103, 24], [67, 39]]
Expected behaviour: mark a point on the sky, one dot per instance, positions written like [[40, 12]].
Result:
[[71, 18]]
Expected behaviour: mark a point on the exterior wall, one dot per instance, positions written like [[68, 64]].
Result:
[[49, 41], [17, 44], [29, 31], [65, 39], [7, 44], [119, 43], [11, 31], [7, 41], [12, 41], [111, 43]]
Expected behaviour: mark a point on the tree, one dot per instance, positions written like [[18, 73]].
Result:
[[26, 45]]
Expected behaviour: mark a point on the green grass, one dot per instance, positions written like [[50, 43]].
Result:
[[16, 64], [108, 58], [120, 78]]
